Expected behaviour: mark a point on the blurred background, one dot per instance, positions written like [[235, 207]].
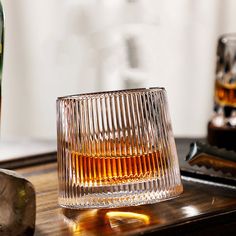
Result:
[[60, 47]]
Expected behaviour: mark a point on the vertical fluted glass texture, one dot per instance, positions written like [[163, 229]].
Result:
[[116, 149]]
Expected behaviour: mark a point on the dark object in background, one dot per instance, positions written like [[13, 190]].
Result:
[[212, 157], [17, 204], [222, 137]]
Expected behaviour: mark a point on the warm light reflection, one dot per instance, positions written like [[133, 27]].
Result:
[[128, 217], [89, 222], [73, 226], [190, 211], [77, 221]]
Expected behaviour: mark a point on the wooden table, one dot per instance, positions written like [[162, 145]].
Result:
[[204, 208]]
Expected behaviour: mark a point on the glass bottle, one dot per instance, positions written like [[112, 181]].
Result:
[[222, 127]]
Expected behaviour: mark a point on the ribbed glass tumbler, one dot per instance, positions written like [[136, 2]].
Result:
[[116, 149]]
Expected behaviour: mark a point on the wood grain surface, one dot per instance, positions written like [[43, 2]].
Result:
[[204, 208], [201, 205]]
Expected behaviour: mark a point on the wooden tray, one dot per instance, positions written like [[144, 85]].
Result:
[[205, 207]]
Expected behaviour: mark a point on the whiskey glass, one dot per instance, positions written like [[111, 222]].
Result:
[[116, 149]]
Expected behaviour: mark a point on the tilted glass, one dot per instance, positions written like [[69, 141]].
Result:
[[116, 149]]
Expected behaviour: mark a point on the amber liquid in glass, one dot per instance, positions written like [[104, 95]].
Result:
[[91, 170], [225, 94]]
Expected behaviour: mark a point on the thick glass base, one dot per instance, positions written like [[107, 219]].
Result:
[[118, 196]]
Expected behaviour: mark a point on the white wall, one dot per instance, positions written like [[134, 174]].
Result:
[[42, 59]]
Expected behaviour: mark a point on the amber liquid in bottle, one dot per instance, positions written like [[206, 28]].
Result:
[[225, 94], [110, 169]]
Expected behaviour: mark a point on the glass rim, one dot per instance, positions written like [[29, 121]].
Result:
[[110, 93]]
